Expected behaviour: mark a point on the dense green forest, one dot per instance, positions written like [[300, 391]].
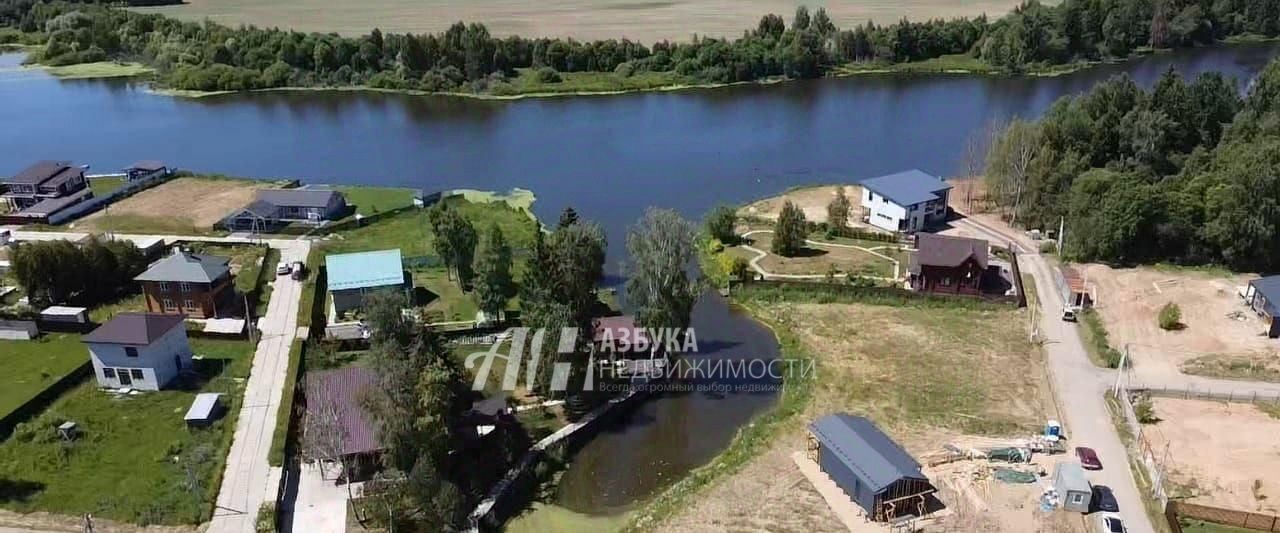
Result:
[[1185, 172], [466, 57]]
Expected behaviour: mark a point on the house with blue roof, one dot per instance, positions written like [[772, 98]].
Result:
[[907, 201], [352, 276]]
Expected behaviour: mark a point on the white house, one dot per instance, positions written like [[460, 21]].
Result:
[[907, 201], [140, 350]]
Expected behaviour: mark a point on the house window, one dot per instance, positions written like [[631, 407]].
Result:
[[130, 351], [1077, 498], [164, 287], [168, 304], [186, 287], [946, 281], [109, 373], [190, 304], [136, 374], [871, 196]]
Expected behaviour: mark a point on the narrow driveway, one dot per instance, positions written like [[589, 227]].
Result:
[[249, 480], [1078, 384]]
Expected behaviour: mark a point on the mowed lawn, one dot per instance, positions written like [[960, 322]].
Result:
[[372, 200], [104, 186], [32, 366], [135, 460], [410, 232]]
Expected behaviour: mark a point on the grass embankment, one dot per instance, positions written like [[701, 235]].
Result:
[[910, 363], [373, 200], [104, 186], [1150, 505], [1245, 367], [280, 435], [410, 232], [1094, 335], [32, 366], [102, 69], [135, 460]]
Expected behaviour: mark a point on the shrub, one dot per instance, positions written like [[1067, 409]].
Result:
[[1097, 339], [741, 269], [1048, 247], [719, 224], [547, 75], [1145, 412], [1170, 317]]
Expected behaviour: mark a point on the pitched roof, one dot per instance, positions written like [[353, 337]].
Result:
[[39, 172], [146, 165], [338, 392], [1270, 288], [134, 328], [1072, 475], [49, 206], [297, 197], [868, 452], [364, 269], [907, 188], [946, 251], [260, 209], [189, 267]]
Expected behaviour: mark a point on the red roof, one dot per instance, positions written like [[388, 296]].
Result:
[[618, 327], [340, 390], [1073, 279]]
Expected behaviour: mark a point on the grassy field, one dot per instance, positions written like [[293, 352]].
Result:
[[104, 186], [129, 302], [816, 259], [103, 69], [1200, 526], [644, 20], [135, 460], [373, 200], [541, 518], [1248, 367], [410, 232], [591, 82], [32, 366]]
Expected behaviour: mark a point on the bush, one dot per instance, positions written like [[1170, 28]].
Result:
[[1170, 317], [1145, 412], [719, 224], [741, 269], [1097, 341], [547, 75], [1048, 247]]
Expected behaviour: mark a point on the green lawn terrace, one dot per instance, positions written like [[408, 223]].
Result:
[[34, 365], [134, 459], [436, 293]]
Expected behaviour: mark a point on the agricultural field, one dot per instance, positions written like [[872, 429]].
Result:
[[928, 373], [1219, 454], [644, 20], [32, 366], [169, 207], [135, 460], [1219, 337]]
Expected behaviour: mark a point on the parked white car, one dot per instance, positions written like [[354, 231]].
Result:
[[1111, 523]]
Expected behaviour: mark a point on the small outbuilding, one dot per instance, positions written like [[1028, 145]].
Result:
[[872, 469], [1072, 487], [1262, 295], [18, 330], [62, 313], [146, 169], [206, 409]]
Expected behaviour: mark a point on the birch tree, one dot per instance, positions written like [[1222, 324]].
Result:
[[661, 285]]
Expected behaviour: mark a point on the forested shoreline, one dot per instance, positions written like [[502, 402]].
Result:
[[467, 58], [1188, 172]]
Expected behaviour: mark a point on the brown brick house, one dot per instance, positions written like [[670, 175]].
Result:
[[198, 286], [948, 265]]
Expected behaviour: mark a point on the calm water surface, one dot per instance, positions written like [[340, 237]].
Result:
[[609, 157]]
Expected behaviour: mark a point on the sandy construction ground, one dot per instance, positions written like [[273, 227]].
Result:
[[812, 201], [1219, 454], [1217, 322], [644, 20], [183, 203], [926, 377]]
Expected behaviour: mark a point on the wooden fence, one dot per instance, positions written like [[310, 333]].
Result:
[[1218, 515]]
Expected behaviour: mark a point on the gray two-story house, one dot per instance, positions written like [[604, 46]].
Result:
[[42, 181]]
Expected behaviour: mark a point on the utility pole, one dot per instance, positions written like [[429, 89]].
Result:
[[1062, 227], [1124, 359], [248, 319]]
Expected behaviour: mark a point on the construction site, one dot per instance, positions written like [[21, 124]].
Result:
[[1218, 329]]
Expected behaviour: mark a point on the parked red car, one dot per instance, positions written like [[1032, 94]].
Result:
[[1088, 458]]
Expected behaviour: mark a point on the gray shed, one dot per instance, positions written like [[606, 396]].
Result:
[[204, 410], [1072, 487], [872, 469]]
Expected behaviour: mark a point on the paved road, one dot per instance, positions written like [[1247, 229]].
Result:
[[1078, 384], [249, 480]]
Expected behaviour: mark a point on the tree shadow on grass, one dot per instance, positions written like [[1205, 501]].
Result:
[[806, 253], [423, 297], [202, 372], [18, 490]]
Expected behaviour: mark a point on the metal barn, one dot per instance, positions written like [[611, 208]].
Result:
[[867, 465]]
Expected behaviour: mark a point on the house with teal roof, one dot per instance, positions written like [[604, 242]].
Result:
[[353, 276]]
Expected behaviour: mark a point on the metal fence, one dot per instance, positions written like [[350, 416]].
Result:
[[93, 204], [1188, 393], [1230, 517], [1153, 465]]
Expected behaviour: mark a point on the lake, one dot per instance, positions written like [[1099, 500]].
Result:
[[609, 157]]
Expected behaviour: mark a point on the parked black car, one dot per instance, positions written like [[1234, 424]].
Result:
[[1104, 500]]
